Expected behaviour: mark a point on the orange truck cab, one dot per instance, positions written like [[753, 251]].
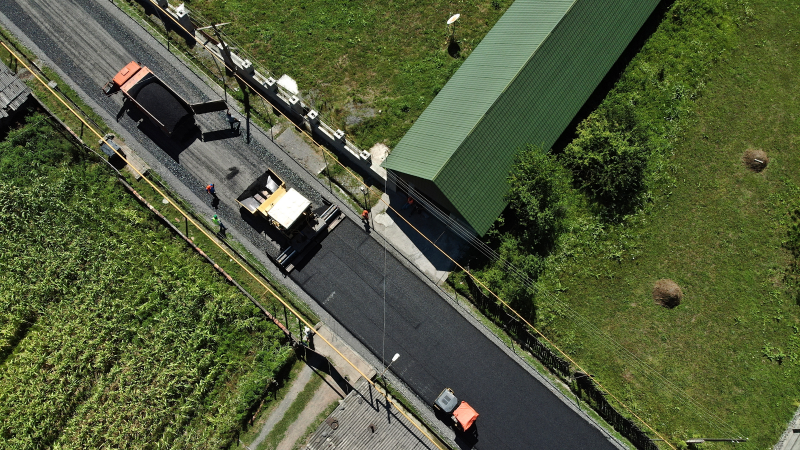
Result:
[[462, 414], [127, 73], [162, 105]]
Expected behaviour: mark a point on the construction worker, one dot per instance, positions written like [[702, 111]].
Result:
[[232, 120], [210, 189], [309, 335], [365, 216], [409, 203], [217, 221]]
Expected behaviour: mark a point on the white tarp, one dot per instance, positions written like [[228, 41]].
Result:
[[289, 208], [289, 84]]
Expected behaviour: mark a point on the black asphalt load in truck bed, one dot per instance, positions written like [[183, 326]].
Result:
[[162, 104]]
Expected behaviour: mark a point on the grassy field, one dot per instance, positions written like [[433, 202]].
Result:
[[708, 223], [718, 230], [112, 331], [370, 68]]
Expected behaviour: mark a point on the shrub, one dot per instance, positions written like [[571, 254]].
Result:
[[792, 244], [606, 165], [508, 285], [536, 198]]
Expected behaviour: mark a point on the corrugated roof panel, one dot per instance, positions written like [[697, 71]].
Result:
[[361, 408], [13, 92], [482, 78], [540, 103], [522, 85]]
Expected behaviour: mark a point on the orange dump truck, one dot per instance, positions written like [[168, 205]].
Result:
[[163, 106]]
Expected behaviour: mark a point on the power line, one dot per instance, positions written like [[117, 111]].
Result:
[[322, 148], [650, 373]]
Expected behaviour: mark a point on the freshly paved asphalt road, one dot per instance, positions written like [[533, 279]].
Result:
[[89, 41], [438, 347]]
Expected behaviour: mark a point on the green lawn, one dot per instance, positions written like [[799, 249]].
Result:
[[355, 59], [733, 345]]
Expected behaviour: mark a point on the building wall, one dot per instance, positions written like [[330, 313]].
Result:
[[426, 188]]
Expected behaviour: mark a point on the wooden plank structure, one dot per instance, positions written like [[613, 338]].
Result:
[[13, 95]]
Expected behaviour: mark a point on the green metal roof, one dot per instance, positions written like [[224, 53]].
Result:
[[522, 85]]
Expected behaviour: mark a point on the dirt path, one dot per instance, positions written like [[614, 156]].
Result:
[[297, 387], [324, 396]]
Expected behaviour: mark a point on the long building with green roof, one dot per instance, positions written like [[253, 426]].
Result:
[[523, 84]]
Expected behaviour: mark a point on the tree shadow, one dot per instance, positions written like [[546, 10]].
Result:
[[414, 220], [322, 364], [613, 75], [170, 24]]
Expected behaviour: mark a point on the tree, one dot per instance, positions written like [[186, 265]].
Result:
[[607, 166], [536, 198]]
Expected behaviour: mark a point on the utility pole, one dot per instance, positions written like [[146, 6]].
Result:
[[226, 55]]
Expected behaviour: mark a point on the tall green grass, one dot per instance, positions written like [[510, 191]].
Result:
[[112, 332], [716, 78]]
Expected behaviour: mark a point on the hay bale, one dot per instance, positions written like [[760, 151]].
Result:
[[667, 293], [755, 159]]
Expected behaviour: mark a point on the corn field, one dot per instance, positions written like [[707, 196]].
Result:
[[112, 334]]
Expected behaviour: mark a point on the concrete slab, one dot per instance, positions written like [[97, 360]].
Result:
[[343, 367], [136, 165], [378, 154], [790, 440], [400, 228]]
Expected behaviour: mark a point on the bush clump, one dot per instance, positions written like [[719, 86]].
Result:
[[607, 166], [538, 185]]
